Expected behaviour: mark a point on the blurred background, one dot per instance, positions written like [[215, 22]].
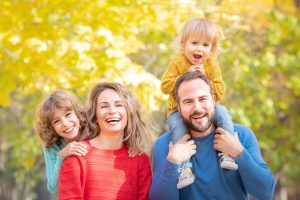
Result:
[[74, 44]]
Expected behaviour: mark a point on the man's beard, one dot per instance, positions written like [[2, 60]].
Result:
[[199, 127]]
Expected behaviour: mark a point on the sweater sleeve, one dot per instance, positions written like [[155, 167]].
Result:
[[53, 165], [165, 173], [255, 174], [215, 76], [169, 78], [144, 178], [71, 182]]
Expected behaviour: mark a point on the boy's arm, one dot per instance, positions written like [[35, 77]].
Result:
[[53, 165], [169, 78], [215, 76]]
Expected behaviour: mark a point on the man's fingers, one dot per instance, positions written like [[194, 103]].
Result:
[[220, 131], [171, 145], [184, 138], [191, 142], [193, 151], [236, 135], [193, 147]]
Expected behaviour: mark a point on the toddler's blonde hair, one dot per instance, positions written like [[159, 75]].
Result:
[[198, 27]]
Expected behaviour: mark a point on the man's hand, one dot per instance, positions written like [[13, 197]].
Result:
[[182, 150], [198, 67], [227, 143]]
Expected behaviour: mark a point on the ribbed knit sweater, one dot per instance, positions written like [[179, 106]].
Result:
[[106, 175], [211, 181], [179, 66]]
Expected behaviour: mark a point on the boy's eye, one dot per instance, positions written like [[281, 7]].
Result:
[[194, 42], [55, 122]]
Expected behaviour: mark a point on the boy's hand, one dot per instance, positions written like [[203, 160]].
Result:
[[197, 67], [73, 148], [182, 150]]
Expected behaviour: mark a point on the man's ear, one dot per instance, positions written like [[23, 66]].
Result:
[[178, 107]]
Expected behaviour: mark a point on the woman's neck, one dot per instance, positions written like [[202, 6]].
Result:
[[108, 142]]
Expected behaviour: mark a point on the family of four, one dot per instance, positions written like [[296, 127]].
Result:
[[102, 151]]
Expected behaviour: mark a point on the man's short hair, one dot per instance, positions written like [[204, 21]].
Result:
[[188, 77]]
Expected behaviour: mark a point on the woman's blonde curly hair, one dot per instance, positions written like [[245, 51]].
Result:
[[57, 100]]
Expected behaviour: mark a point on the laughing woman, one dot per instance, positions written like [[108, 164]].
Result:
[[107, 171]]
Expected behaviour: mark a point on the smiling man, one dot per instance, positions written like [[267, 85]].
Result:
[[196, 104]]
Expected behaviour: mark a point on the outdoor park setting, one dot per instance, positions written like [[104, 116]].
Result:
[[75, 44]]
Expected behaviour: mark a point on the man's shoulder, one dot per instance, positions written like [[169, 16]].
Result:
[[163, 140], [244, 132], [241, 127]]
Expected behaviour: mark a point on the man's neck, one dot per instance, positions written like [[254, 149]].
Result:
[[202, 134]]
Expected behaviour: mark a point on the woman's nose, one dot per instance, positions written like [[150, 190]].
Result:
[[112, 110]]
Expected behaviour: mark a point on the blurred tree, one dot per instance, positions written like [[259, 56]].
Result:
[[72, 45]]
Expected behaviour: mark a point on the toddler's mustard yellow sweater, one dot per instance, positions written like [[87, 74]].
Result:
[[179, 66]]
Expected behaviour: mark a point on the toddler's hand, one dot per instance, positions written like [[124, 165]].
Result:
[[198, 67], [73, 148]]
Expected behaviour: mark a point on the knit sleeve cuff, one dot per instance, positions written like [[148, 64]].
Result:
[[171, 168], [243, 157]]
